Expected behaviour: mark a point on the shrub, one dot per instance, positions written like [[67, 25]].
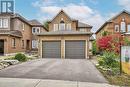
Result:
[[109, 60], [94, 48], [20, 57], [110, 43]]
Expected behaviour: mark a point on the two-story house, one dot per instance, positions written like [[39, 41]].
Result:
[[66, 38], [117, 24], [15, 34]]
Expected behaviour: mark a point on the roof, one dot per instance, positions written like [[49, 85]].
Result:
[[64, 33], [110, 20], [80, 24], [65, 14], [35, 22], [15, 33]]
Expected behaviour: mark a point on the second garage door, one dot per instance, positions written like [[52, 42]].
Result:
[[75, 49], [51, 49]]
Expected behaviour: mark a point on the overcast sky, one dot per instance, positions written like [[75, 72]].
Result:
[[93, 12]]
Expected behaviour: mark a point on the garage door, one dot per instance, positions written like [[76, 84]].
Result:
[[75, 49], [51, 49]]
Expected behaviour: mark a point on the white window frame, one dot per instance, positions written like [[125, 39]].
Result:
[[1, 24], [23, 26], [123, 26], [128, 27], [68, 26], [62, 26], [55, 27], [34, 44], [36, 30], [5, 22], [117, 26], [82, 29]]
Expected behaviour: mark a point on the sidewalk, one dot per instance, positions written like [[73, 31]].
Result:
[[17, 82]]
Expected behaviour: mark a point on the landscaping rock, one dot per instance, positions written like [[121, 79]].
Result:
[[10, 62]]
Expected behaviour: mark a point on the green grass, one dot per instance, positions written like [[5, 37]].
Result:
[[120, 80]]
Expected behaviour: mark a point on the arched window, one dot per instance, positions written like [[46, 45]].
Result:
[[62, 25]]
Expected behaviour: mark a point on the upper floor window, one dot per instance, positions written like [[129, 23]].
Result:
[[36, 30], [68, 26], [128, 26], [55, 27], [123, 26], [23, 26], [116, 28], [4, 23], [62, 26]]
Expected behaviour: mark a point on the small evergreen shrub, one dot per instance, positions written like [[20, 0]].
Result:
[[20, 57]]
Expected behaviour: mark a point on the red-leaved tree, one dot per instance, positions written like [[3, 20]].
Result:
[[110, 43]]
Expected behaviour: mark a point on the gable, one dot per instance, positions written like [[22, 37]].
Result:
[[119, 18], [61, 16]]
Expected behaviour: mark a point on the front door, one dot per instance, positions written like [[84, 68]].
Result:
[[27, 44], [1, 47]]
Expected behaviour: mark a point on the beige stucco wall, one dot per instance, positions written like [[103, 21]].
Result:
[[63, 39]]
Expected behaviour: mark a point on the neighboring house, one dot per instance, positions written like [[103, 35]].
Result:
[[15, 34], [37, 27], [67, 38], [118, 24]]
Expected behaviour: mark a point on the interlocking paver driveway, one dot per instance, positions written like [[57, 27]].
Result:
[[56, 69]]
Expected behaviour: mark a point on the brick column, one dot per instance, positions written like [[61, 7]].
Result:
[[63, 49]]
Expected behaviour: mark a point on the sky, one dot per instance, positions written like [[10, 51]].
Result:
[[93, 12]]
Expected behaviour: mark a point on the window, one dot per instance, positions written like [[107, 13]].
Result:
[[33, 30], [68, 26], [128, 26], [22, 43], [4, 23], [23, 26], [13, 43], [55, 27], [34, 44], [123, 27], [0, 23], [82, 29], [116, 28], [36, 30], [62, 26]]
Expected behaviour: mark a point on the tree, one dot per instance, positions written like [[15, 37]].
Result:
[[94, 47], [105, 33], [46, 25], [110, 43]]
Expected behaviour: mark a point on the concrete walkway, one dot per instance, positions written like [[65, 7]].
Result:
[[17, 82]]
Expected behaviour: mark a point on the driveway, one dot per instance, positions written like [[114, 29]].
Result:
[[55, 69]]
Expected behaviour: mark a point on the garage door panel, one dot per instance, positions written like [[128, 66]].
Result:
[[51, 49], [75, 49]]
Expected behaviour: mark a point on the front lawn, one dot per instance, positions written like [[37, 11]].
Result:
[[123, 80]]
